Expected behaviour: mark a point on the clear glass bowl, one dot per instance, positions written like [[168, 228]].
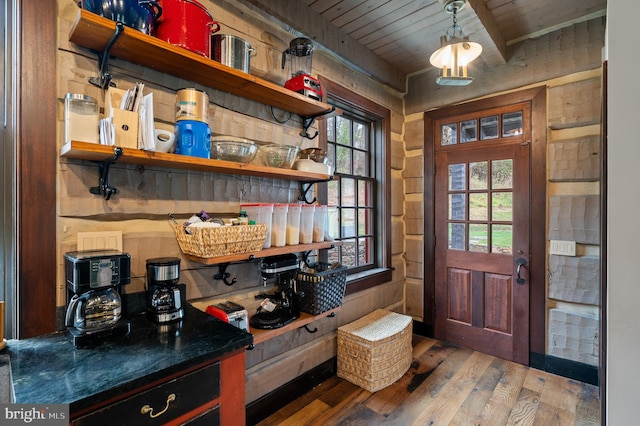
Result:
[[230, 148], [275, 155]]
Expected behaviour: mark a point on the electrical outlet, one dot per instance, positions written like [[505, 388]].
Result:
[[100, 240], [562, 248]]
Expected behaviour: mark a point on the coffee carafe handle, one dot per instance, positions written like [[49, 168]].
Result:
[[177, 298], [71, 310]]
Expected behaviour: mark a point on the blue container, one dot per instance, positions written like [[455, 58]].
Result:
[[193, 138]]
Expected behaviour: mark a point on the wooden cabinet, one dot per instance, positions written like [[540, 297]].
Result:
[[211, 393]]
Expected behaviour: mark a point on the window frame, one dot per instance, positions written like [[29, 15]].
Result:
[[343, 98]]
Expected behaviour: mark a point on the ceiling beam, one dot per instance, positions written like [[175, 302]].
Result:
[[299, 17], [494, 52]]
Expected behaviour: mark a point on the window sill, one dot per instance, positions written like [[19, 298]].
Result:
[[367, 279]]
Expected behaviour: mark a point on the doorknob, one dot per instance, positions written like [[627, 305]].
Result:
[[520, 262]]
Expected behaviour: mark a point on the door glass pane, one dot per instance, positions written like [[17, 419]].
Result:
[[457, 236], [348, 222], [502, 174], [449, 134], [511, 124], [478, 207], [478, 237], [360, 163], [457, 207], [501, 239], [478, 175], [359, 136], [457, 177], [501, 206], [489, 127], [343, 160], [469, 131]]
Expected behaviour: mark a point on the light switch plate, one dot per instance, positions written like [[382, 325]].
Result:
[[100, 240], [562, 248]]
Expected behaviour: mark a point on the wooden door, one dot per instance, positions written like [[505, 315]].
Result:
[[482, 230]]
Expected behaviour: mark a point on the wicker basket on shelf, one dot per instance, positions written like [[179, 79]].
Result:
[[209, 242]]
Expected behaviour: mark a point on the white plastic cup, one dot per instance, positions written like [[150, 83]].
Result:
[[319, 222], [261, 214], [293, 224], [306, 223], [279, 225], [333, 223]]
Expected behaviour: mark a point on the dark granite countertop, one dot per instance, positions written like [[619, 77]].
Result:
[[49, 369]]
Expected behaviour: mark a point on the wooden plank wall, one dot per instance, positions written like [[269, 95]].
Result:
[[146, 195]]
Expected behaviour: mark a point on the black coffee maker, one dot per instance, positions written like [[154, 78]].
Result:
[[280, 308], [94, 305], [164, 294]]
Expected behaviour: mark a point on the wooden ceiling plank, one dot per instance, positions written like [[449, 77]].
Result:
[[342, 8], [357, 12]]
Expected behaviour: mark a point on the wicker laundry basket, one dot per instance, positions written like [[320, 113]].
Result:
[[375, 350]]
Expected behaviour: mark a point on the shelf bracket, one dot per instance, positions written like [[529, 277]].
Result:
[[308, 121], [306, 186], [103, 80], [224, 275], [103, 187], [305, 258]]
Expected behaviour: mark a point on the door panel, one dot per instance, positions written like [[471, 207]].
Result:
[[481, 227]]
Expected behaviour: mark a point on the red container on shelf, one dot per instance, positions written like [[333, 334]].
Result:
[[188, 24]]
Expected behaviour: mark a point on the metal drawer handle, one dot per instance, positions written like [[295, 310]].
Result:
[[146, 409]]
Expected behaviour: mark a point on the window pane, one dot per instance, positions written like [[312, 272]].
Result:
[[343, 160], [449, 134], [332, 193], [365, 252], [512, 124], [469, 131], [456, 236], [501, 206], [349, 253], [343, 131], [457, 177], [501, 239], [457, 207], [364, 193], [478, 207], [501, 174], [348, 191], [331, 131], [363, 222], [489, 127], [348, 223], [478, 175], [333, 254], [359, 136], [478, 237], [331, 154], [360, 163]]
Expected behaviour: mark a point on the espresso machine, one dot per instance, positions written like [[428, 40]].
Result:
[[280, 308], [300, 54], [165, 297], [94, 305]]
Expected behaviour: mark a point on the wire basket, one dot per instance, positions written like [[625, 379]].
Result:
[[209, 242], [323, 290]]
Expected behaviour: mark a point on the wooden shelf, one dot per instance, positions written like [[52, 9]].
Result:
[[271, 251], [97, 152], [261, 336], [94, 32]]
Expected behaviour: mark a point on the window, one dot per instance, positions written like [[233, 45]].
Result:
[[357, 141]]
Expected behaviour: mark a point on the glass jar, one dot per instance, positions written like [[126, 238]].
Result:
[[81, 119]]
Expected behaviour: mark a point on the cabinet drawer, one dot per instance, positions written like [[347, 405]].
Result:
[[189, 392]]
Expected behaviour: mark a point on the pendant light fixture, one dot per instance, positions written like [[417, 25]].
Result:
[[456, 51]]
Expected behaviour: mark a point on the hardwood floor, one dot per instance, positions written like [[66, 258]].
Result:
[[449, 385]]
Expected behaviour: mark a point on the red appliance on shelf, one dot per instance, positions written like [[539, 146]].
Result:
[[230, 312], [300, 54]]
